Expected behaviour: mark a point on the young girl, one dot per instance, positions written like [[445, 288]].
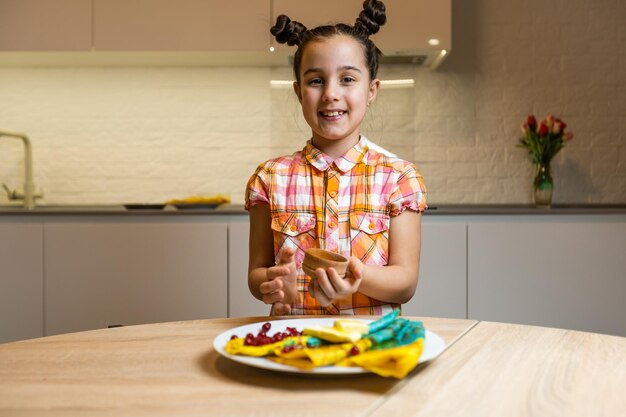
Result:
[[336, 193]]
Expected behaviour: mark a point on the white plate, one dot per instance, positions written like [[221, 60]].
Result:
[[433, 346]]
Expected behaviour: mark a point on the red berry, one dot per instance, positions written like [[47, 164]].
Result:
[[288, 348], [233, 337], [266, 326], [355, 350]]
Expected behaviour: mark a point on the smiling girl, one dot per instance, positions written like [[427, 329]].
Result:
[[337, 193]]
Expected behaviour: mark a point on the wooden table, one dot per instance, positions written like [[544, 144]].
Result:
[[171, 369]]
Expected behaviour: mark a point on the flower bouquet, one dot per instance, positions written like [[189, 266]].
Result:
[[543, 141]]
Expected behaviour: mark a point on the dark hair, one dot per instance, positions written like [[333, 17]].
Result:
[[371, 18]]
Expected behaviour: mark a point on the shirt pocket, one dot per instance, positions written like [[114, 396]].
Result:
[[369, 237], [294, 230]]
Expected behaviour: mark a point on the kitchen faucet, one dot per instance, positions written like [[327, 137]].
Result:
[[28, 194]]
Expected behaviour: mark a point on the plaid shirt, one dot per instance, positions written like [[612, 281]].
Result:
[[342, 205]]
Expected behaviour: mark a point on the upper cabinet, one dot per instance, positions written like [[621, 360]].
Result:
[[203, 32], [181, 25], [45, 25], [417, 30]]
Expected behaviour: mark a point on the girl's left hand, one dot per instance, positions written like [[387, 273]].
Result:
[[328, 286]]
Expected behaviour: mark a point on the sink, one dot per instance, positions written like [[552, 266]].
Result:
[[144, 206]]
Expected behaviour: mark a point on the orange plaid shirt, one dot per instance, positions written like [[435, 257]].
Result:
[[342, 205]]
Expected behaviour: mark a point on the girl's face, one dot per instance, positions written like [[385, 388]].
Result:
[[335, 90]]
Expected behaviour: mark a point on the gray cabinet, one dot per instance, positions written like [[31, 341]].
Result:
[[241, 303], [21, 280], [568, 274], [442, 285], [441, 288], [95, 271], [102, 273]]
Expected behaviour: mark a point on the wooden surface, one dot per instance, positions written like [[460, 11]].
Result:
[[515, 370], [171, 369]]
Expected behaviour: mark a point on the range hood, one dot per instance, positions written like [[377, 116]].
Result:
[[417, 32]]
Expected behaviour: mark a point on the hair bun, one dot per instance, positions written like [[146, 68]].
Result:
[[371, 18], [287, 31]]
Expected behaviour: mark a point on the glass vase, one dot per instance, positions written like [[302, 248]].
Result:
[[543, 185]]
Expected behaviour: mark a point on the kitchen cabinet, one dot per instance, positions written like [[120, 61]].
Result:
[[241, 303], [410, 23], [45, 25], [441, 289], [557, 274], [202, 32], [103, 272], [181, 25], [21, 280], [92, 271], [442, 285]]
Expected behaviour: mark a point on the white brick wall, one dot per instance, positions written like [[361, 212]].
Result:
[[135, 134], [114, 135]]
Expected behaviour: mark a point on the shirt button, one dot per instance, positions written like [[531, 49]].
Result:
[[331, 225], [371, 226], [293, 228], [333, 194]]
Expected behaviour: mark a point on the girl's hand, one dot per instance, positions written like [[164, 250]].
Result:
[[328, 286], [280, 285]]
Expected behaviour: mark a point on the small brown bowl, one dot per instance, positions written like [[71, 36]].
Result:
[[319, 258]]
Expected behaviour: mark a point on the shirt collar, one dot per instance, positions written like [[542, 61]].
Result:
[[344, 163]]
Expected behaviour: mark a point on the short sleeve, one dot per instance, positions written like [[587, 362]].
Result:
[[409, 192], [257, 188]]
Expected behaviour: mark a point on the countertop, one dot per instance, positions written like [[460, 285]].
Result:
[[166, 369], [234, 209]]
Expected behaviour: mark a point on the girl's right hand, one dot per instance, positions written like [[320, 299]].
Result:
[[280, 285]]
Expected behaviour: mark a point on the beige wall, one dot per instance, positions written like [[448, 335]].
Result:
[[112, 135]]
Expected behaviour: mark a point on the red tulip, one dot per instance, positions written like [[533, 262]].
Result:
[[545, 138]]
